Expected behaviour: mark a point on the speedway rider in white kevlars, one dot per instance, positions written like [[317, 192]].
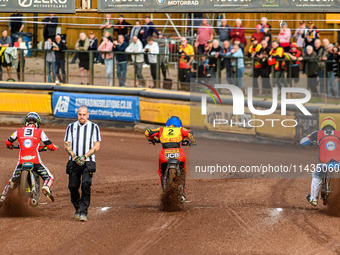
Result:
[[328, 141]]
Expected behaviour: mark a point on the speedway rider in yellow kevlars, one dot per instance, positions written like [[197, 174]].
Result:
[[171, 137]]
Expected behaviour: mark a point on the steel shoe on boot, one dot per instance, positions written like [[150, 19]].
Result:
[[311, 201], [2, 200], [47, 192]]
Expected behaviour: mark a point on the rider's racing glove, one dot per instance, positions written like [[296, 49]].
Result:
[[9, 145], [42, 148], [52, 147]]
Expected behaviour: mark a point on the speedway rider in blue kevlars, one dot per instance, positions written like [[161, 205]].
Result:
[[328, 141]]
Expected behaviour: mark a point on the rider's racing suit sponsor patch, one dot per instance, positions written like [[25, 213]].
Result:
[[172, 154], [28, 157], [28, 143], [330, 146]]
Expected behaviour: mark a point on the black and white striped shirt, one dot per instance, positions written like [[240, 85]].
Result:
[[82, 137]]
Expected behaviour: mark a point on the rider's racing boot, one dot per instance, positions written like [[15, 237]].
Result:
[[13, 185], [183, 198], [47, 192], [311, 201], [2, 200]]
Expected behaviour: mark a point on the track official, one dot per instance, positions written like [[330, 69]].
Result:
[[82, 141]]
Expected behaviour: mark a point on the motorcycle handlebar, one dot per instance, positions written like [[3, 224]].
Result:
[[40, 150], [184, 143]]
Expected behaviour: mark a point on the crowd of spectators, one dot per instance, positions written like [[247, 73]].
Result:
[[278, 54]]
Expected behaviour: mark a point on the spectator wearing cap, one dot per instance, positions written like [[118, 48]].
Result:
[[107, 25], [267, 36], [295, 55], [50, 27], [5, 42], [186, 52], [298, 35], [152, 49], [264, 23], [311, 68], [266, 68], [122, 27], [205, 33], [106, 47], [238, 33], [284, 37], [136, 31], [276, 55], [16, 25], [258, 34], [322, 57], [122, 59], [237, 62], [223, 31], [226, 61], [310, 34], [136, 46], [148, 30], [253, 52]]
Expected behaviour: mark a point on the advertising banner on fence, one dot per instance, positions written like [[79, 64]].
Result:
[[218, 5], [101, 107], [44, 6]]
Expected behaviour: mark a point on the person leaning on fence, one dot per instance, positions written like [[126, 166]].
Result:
[[322, 57], [253, 52], [5, 42], [266, 68], [106, 46], [295, 56], [151, 50], [50, 60], [186, 52], [311, 68], [237, 62], [122, 59], [213, 56], [59, 48], [94, 47], [20, 45], [226, 61], [136, 46], [276, 57], [332, 84], [82, 46]]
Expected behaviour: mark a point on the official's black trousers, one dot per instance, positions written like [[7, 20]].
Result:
[[80, 175]]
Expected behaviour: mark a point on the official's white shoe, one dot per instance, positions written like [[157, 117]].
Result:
[[311, 201], [2, 200], [82, 218], [47, 192]]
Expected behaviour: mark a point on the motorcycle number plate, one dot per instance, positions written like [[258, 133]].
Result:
[[172, 154]]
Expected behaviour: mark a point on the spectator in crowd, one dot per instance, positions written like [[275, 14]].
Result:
[[264, 23], [284, 37], [20, 45], [2, 59], [5, 42], [203, 67], [106, 47], [213, 55], [266, 68], [295, 55], [186, 52], [163, 45], [267, 36], [122, 59], [258, 34], [122, 27], [311, 68], [310, 34], [298, 35], [59, 48], [207, 47], [152, 49], [16, 25], [332, 85], [148, 30], [94, 46], [253, 52], [276, 55], [322, 57], [136, 46], [50, 60], [237, 62], [50, 27], [107, 25], [204, 34], [136, 31], [223, 31], [82, 46], [108, 36], [226, 61], [238, 33]]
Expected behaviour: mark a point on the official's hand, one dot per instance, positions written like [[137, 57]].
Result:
[[79, 161]]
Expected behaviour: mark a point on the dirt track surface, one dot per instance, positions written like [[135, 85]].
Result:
[[229, 216]]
